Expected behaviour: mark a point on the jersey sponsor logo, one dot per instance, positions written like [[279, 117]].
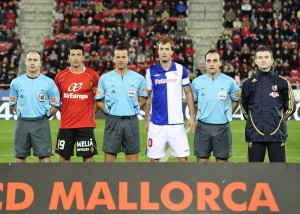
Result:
[[12, 99], [84, 145], [164, 81], [42, 97], [274, 94], [274, 87], [75, 86], [75, 96]]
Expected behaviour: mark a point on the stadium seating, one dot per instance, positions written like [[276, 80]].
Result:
[[114, 23], [10, 44], [249, 24]]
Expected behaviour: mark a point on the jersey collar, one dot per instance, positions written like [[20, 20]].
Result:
[[161, 69]]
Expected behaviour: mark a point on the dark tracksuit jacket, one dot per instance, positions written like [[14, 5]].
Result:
[[267, 101]]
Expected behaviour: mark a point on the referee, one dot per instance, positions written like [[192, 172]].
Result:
[[216, 98], [35, 98], [120, 95]]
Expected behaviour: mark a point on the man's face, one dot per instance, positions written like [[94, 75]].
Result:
[[263, 60], [165, 52], [212, 63], [121, 59], [76, 58], [33, 62]]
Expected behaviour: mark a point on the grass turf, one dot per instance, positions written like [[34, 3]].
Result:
[[239, 148]]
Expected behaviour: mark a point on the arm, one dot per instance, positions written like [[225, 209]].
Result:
[[53, 110], [190, 102], [14, 108], [245, 101], [234, 105], [147, 109], [95, 107], [289, 105], [142, 101], [100, 105]]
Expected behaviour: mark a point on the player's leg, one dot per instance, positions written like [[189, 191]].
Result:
[[277, 152], [156, 142], [131, 141], [178, 141], [202, 142], [22, 144], [112, 138], [40, 137], [221, 142], [44, 159], [86, 146], [65, 144], [256, 151]]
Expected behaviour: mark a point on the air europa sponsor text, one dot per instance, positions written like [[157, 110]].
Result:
[[75, 96]]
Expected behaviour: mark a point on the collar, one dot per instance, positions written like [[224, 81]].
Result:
[[262, 73], [161, 69]]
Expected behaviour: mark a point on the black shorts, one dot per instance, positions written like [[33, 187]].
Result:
[[213, 138], [257, 151], [84, 138], [121, 134]]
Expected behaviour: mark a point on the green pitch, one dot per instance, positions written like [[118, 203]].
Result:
[[237, 126]]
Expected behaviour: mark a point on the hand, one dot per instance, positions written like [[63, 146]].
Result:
[[147, 125], [191, 125]]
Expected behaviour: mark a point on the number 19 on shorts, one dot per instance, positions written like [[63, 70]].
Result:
[[61, 144]]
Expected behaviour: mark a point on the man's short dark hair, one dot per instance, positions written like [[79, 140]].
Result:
[[264, 48], [121, 48], [77, 47], [211, 52]]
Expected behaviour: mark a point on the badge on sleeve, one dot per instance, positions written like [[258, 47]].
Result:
[[42, 97]]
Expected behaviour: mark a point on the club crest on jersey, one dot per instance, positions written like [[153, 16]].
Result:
[[91, 84], [12, 99], [274, 87], [274, 94], [42, 97]]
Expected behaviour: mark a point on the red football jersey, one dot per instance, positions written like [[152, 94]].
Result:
[[77, 91]]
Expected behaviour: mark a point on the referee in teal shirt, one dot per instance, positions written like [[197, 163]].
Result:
[[120, 95], [216, 98], [35, 98]]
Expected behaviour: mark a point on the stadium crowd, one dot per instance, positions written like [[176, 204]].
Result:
[[251, 23], [101, 25], [10, 44]]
